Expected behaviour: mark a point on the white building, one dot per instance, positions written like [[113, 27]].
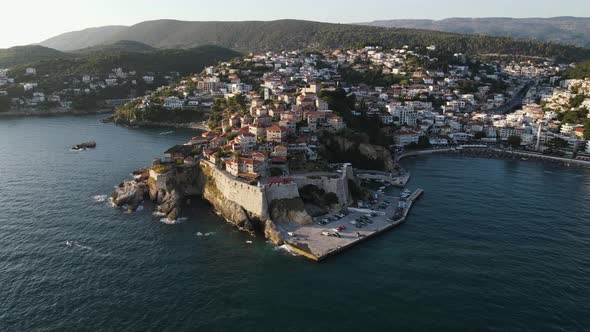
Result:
[[31, 71], [38, 97], [173, 103], [406, 115], [148, 79], [29, 86], [407, 137]]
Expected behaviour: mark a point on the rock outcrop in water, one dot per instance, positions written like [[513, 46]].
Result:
[[130, 193], [170, 188], [253, 208]]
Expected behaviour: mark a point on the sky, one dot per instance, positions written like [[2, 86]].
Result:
[[32, 21]]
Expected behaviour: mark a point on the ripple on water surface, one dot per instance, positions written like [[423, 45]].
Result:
[[491, 245]]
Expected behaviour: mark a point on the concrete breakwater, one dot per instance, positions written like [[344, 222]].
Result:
[[492, 153], [314, 242]]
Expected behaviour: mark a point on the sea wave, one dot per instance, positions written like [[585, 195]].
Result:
[[173, 222], [287, 249]]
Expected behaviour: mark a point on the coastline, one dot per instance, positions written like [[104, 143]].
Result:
[[54, 111], [493, 153], [149, 124]]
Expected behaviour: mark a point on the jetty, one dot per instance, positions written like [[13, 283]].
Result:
[[318, 242]]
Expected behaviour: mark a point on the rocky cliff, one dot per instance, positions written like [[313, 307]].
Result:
[[233, 212], [339, 148], [169, 191]]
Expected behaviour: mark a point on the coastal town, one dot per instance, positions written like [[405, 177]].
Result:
[[284, 99], [29, 91], [295, 141], [305, 144]]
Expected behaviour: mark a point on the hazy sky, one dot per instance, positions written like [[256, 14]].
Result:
[[26, 22]]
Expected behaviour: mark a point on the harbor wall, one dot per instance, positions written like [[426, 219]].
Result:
[[498, 154]]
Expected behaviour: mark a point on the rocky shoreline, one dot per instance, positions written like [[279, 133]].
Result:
[[151, 124], [171, 191], [54, 111]]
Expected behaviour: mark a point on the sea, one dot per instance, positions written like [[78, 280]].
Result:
[[492, 245]]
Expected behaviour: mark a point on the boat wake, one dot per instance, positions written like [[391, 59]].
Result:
[[167, 133], [204, 234], [75, 244]]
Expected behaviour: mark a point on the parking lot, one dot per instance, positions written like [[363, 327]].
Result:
[[320, 239]]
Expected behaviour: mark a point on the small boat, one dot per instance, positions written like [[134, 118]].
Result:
[[84, 146]]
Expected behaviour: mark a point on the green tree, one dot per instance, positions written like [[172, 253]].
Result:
[[577, 100], [571, 117], [423, 142], [587, 130], [4, 104], [557, 142], [480, 135], [514, 141]]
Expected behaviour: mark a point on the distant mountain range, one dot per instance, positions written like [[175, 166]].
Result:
[[249, 36], [564, 30], [177, 40]]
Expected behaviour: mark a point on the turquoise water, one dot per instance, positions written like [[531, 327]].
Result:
[[492, 245]]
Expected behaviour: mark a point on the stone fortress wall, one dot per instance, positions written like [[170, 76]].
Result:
[[281, 191], [257, 199], [338, 186], [251, 198]]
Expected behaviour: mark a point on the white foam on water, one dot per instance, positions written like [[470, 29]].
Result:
[[172, 222], [139, 208], [159, 214], [100, 198], [287, 249]]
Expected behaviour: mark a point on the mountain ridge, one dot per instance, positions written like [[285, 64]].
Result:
[[562, 29], [254, 36]]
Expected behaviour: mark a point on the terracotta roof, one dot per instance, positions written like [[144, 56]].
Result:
[[275, 128], [249, 176]]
